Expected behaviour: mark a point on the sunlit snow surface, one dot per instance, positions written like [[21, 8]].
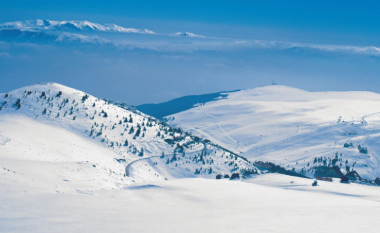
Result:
[[291, 127], [55, 177], [88, 136], [267, 203]]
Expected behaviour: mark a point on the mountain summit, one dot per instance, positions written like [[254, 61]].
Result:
[[72, 25], [297, 129], [98, 142]]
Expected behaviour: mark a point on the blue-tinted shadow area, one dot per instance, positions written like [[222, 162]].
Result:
[[181, 104]]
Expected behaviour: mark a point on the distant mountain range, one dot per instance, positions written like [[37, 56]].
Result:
[[72, 25], [89, 33], [78, 32]]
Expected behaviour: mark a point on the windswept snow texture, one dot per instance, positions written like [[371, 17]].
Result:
[[292, 127], [267, 203]]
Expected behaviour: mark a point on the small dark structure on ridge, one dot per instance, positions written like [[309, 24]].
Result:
[[226, 176], [344, 179], [377, 181], [219, 176], [235, 176]]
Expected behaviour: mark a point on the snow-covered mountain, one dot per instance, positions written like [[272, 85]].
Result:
[[71, 162], [71, 25], [187, 34], [75, 32], [58, 32], [294, 128], [78, 138]]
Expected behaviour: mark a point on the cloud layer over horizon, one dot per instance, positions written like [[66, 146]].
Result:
[[48, 31], [105, 59]]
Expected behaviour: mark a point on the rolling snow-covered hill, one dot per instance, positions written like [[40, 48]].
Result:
[[294, 128], [53, 132], [70, 162]]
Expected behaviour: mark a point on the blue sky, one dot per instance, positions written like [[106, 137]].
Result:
[[167, 71]]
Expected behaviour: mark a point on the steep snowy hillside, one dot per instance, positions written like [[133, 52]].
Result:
[[307, 131], [52, 132]]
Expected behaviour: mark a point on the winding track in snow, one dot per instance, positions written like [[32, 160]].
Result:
[[128, 167]]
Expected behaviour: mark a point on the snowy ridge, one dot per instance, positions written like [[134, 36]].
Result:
[[72, 25], [57, 172], [56, 126], [187, 34], [293, 128]]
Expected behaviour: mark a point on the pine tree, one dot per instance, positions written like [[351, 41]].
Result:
[[84, 98], [174, 158], [132, 130], [18, 104], [138, 131]]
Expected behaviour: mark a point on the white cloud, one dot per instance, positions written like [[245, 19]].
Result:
[[5, 54]]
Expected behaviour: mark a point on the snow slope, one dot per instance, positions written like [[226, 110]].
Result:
[[78, 138], [59, 174], [194, 205], [292, 127]]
